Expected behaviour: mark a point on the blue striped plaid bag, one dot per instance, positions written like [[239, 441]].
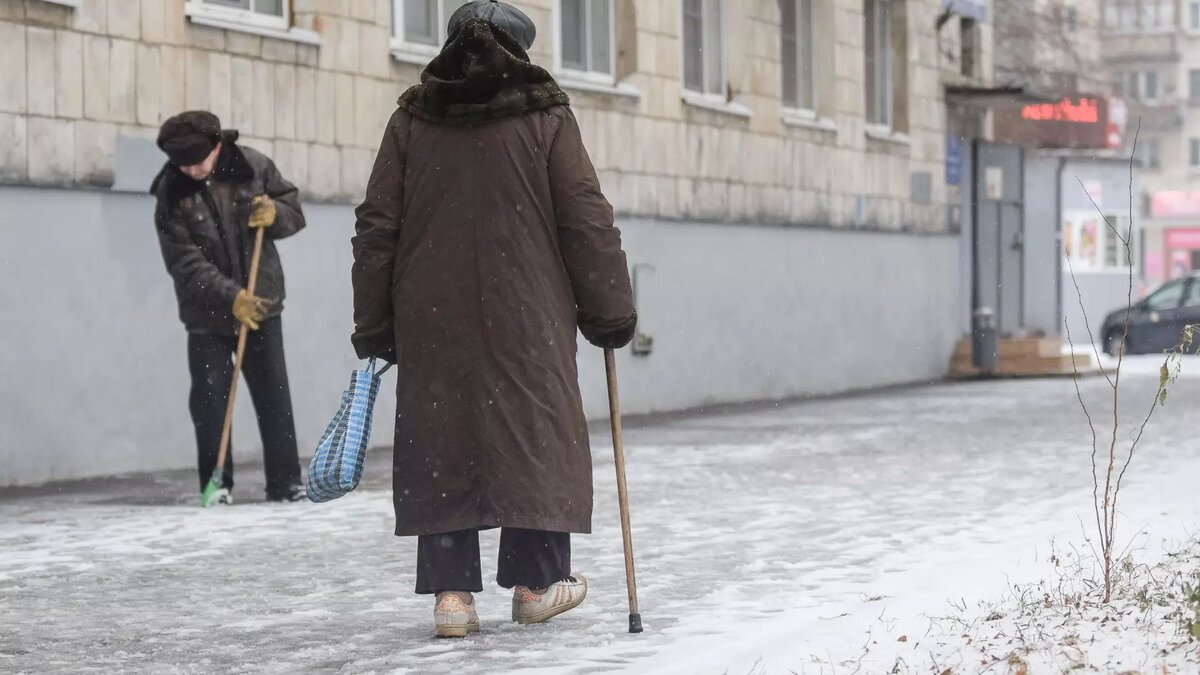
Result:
[[337, 465]]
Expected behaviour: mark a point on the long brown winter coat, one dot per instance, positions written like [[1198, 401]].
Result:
[[483, 243]]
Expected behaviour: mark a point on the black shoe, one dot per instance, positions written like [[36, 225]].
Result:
[[291, 493]]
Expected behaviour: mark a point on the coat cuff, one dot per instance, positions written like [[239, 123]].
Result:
[[378, 343], [610, 333]]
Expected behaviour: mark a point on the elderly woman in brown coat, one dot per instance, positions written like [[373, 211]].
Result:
[[483, 243]]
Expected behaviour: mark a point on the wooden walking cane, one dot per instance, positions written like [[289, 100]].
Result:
[[614, 407], [217, 481]]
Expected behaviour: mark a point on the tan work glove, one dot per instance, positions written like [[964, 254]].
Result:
[[250, 309], [262, 212]]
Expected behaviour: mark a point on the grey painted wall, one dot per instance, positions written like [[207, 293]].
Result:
[[93, 358], [1102, 291], [1042, 235]]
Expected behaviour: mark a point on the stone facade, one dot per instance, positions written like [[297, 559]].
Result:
[[1169, 49], [74, 79]]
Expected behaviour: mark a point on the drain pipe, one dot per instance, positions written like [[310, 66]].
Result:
[[1058, 237]]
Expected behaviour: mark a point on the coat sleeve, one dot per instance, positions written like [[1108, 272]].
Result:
[[289, 218], [195, 277], [377, 234], [589, 242]]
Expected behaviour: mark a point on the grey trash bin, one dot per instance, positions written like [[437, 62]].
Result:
[[983, 339]]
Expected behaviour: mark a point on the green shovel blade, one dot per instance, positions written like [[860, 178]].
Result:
[[215, 485]]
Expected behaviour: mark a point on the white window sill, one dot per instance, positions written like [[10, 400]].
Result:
[[202, 18], [417, 55], [568, 80], [73, 4], [887, 135], [807, 119], [717, 104]]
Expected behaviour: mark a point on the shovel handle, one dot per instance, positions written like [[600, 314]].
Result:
[[227, 428]]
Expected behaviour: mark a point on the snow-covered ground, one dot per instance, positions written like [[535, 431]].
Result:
[[805, 537]]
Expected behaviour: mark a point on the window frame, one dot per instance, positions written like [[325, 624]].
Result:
[[1194, 153], [719, 97], [1148, 77], [1140, 16], [1133, 85], [888, 68], [416, 52], [1153, 159], [810, 47], [204, 13], [248, 17], [585, 76]]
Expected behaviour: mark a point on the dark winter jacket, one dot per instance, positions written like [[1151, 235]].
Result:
[[206, 244], [483, 244]]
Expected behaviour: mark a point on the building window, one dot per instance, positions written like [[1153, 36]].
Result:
[[1115, 254], [877, 26], [586, 37], [1194, 86], [969, 30], [419, 26], [1072, 20], [1133, 87], [1194, 153], [799, 83], [1194, 15], [1151, 85], [266, 14], [703, 62], [1139, 14], [1149, 153]]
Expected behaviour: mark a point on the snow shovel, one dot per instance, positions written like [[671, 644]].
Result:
[[614, 407], [217, 481]]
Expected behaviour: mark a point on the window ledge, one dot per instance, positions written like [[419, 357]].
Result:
[[406, 53], [806, 119], [878, 133], [73, 4], [717, 104], [201, 18], [568, 81]]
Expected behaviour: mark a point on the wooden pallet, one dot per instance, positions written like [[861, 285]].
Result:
[[1023, 357]]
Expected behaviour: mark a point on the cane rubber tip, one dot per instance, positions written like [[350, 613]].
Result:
[[635, 623]]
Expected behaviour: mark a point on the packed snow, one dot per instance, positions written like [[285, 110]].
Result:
[[870, 534]]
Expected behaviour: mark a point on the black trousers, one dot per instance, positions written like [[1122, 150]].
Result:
[[533, 558], [210, 360]]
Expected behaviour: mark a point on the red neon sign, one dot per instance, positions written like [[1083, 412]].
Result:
[[1086, 111]]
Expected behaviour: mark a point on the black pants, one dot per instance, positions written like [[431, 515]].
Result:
[[533, 558], [210, 359]]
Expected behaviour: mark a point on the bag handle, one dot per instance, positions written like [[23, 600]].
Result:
[[371, 367]]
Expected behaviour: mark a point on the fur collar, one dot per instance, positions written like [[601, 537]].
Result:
[[232, 167], [482, 75]]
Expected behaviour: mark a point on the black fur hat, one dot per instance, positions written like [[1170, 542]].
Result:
[[189, 137]]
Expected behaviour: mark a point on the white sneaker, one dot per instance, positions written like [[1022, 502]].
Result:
[[454, 618], [530, 607]]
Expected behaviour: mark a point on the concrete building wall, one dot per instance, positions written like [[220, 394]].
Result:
[[94, 359], [76, 80], [791, 255], [1169, 120]]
